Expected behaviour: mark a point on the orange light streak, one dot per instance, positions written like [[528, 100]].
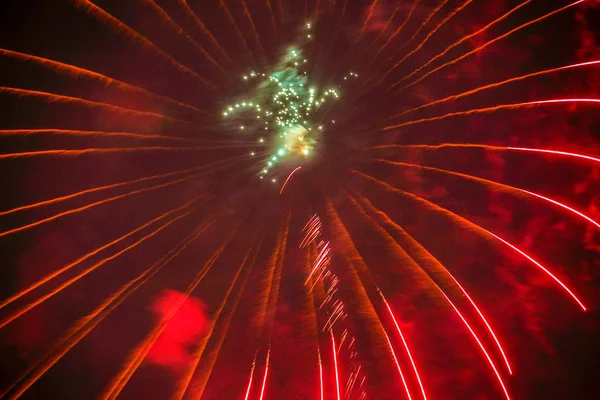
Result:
[[264, 383], [88, 323], [208, 363], [492, 109], [497, 84], [77, 72], [398, 30], [136, 357], [253, 26], [487, 147], [426, 254], [93, 190], [425, 274], [198, 353], [108, 150], [67, 267], [190, 13], [288, 178], [462, 40], [121, 27], [335, 363], [180, 32], [490, 42], [367, 20], [406, 348], [97, 203], [474, 226], [272, 16], [16, 314], [387, 24], [53, 97], [493, 184], [442, 23], [236, 28], [425, 21], [72, 132]]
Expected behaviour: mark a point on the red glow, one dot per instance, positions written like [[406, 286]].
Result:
[[182, 330]]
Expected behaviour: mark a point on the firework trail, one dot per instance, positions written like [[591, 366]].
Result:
[[340, 238]]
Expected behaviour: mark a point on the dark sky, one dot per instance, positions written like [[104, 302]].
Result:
[[553, 346]]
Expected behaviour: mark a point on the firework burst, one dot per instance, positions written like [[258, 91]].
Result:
[[204, 200]]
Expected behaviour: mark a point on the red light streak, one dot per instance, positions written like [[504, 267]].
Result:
[[412, 361], [398, 366], [264, 384], [251, 376], [321, 375], [288, 178], [335, 363]]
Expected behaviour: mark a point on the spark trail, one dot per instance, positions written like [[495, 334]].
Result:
[[53, 97], [455, 217], [493, 184], [121, 27], [500, 107], [488, 43], [78, 72]]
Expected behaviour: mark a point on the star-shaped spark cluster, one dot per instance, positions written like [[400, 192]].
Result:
[[286, 111]]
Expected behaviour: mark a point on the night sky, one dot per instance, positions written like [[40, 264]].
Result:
[[165, 268]]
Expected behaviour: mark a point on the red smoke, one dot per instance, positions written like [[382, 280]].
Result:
[[183, 330]]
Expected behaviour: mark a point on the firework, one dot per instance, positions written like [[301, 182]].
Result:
[[436, 227]]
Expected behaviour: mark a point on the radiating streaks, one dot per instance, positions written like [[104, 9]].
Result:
[[272, 15], [88, 255], [492, 109], [398, 367], [121, 27], [464, 221], [416, 268], [396, 32], [198, 387], [425, 22], [96, 189], [486, 44], [427, 259], [270, 293], [137, 356], [497, 84], [250, 381], [190, 13], [58, 98], [462, 40], [85, 325], [83, 133], [489, 147], [112, 150], [387, 23], [236, 28], [76, 72], [212, 354], [434, 30], [264, 382], [16, 314], [357, 277], [493, 184], [367, 20], [335, 366], [253, 26], [180, 32], [97, 203], [406, 348]]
